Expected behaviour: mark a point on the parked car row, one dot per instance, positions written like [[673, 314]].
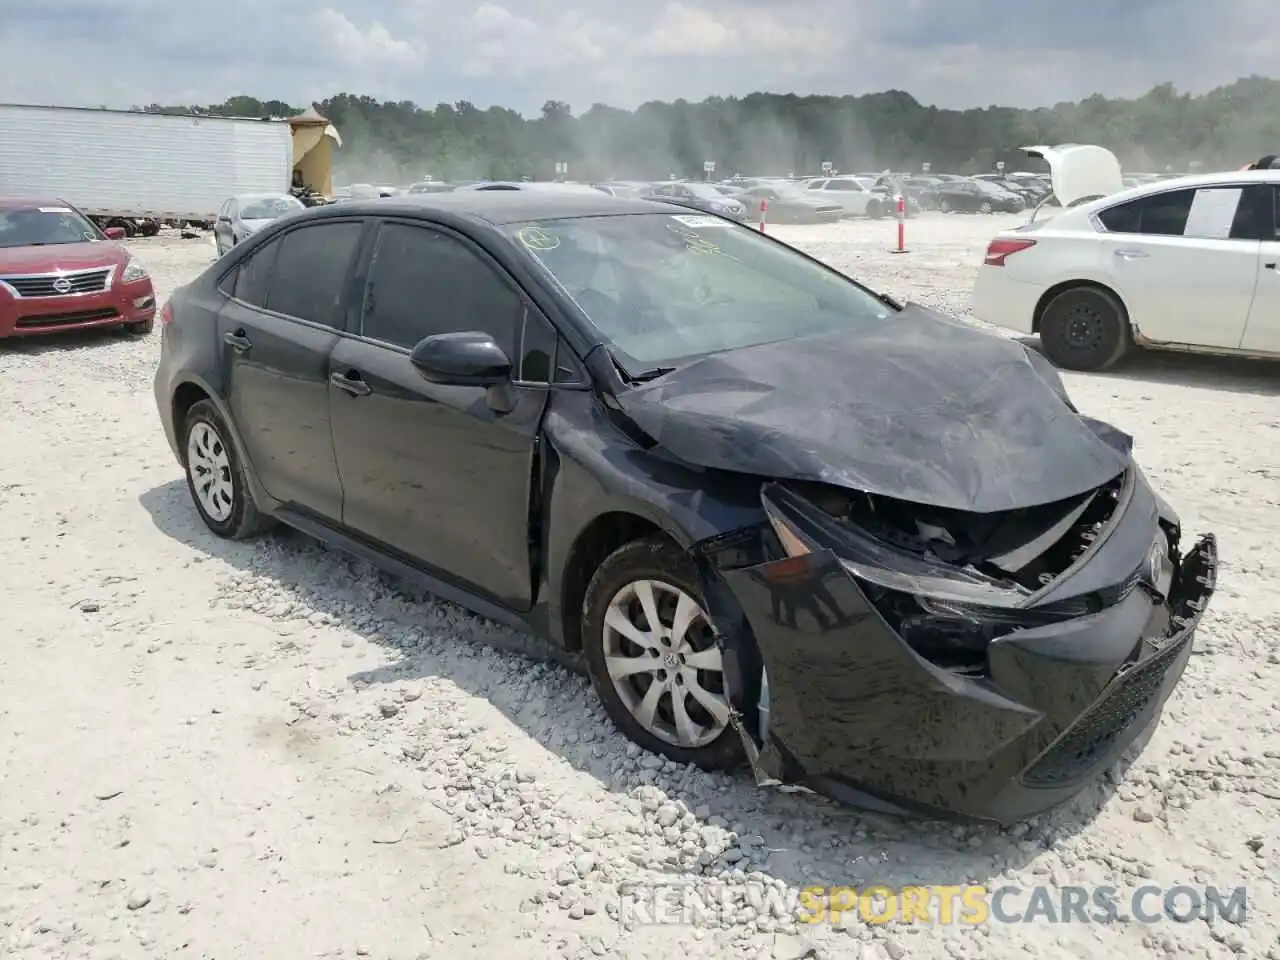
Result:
[[789, 199]]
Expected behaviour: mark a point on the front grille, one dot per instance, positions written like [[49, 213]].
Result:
[[65, 284], [34, 321], [1110, 596], [1133, 691]]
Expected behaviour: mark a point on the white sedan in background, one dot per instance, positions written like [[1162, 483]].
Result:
[[850, 194], [1191, 264]]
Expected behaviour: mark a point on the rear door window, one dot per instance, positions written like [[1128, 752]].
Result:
[[311, 271], [1209, 213], [1162, 214]]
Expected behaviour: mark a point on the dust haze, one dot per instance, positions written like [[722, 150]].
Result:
[[779, 135]]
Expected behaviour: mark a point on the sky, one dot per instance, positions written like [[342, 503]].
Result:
[[520, 53]]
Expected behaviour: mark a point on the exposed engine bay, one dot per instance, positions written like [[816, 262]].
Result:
[[1029, 547], [950, 581]]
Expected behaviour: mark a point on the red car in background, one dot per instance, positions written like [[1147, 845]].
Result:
[[58, 271]]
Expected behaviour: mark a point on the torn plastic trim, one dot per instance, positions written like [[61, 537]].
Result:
[[803, 528], [1020, 557]]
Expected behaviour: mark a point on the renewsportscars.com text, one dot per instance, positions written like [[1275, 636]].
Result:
[[968, 904]]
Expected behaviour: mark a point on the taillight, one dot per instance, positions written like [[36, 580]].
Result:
[[999, 250], [166, 314]]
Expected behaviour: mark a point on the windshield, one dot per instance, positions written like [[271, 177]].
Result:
[[986, 186], [269, 208], [663, 288], [788, 189], [704, 190], [37, 226]]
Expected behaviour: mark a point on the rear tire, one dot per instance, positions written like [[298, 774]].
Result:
[[944, 206], [1085, 328], [686, 666], [216, 477]]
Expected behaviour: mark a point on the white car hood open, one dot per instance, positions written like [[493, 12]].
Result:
[[1080, 171]]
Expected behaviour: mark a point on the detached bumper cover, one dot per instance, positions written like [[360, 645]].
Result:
[[856, 713]]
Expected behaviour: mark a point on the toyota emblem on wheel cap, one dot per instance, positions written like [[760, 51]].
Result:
[[62, 285]]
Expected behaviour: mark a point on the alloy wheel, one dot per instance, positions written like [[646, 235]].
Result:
[[662, 657], [210, 467]]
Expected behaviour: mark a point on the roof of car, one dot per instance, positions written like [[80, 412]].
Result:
[[501, 207], [17, 203]]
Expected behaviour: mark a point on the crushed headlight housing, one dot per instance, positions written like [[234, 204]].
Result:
[[879, 563], [948, 615]]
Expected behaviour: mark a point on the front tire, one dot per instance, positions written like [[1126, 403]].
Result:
[[140, 329], [873, 210], [653, 657], [1084, 328], [216, 477]]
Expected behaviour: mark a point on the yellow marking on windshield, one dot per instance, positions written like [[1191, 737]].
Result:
[[696, 243], [538, 240]]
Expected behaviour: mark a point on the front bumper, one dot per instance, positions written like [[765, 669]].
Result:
[[855, 713], [120, 303]]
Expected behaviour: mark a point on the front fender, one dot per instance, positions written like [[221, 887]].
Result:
[[591, 470]]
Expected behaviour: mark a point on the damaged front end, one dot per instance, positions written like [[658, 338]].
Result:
[[987, 666]]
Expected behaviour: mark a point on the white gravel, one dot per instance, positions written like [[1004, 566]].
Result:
[[268, 751]]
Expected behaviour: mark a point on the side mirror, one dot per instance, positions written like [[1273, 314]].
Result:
[[470, 359], [114, 233]]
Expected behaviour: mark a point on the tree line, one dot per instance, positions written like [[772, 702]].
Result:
[[770, 133]]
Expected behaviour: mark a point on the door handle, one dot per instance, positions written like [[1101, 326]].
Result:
[[1131, 254], [351, 383], [238, 341], [1269, 266]]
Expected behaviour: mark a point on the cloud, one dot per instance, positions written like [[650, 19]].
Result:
[[355, 48], [519, 53]]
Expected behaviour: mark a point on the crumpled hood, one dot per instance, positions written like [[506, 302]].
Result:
[[922, 408]]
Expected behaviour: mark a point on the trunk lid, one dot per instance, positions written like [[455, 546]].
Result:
[[1080, 171]]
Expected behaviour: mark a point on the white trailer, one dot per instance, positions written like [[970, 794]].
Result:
[[120, 166]]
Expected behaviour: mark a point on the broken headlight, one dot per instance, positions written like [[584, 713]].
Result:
[[801, 530], [947, 614]]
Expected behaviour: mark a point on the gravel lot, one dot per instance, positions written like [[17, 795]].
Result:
[[267, 751]]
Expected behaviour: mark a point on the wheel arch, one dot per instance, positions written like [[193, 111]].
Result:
[[186, 394], [600, 537], [1076, 284]]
